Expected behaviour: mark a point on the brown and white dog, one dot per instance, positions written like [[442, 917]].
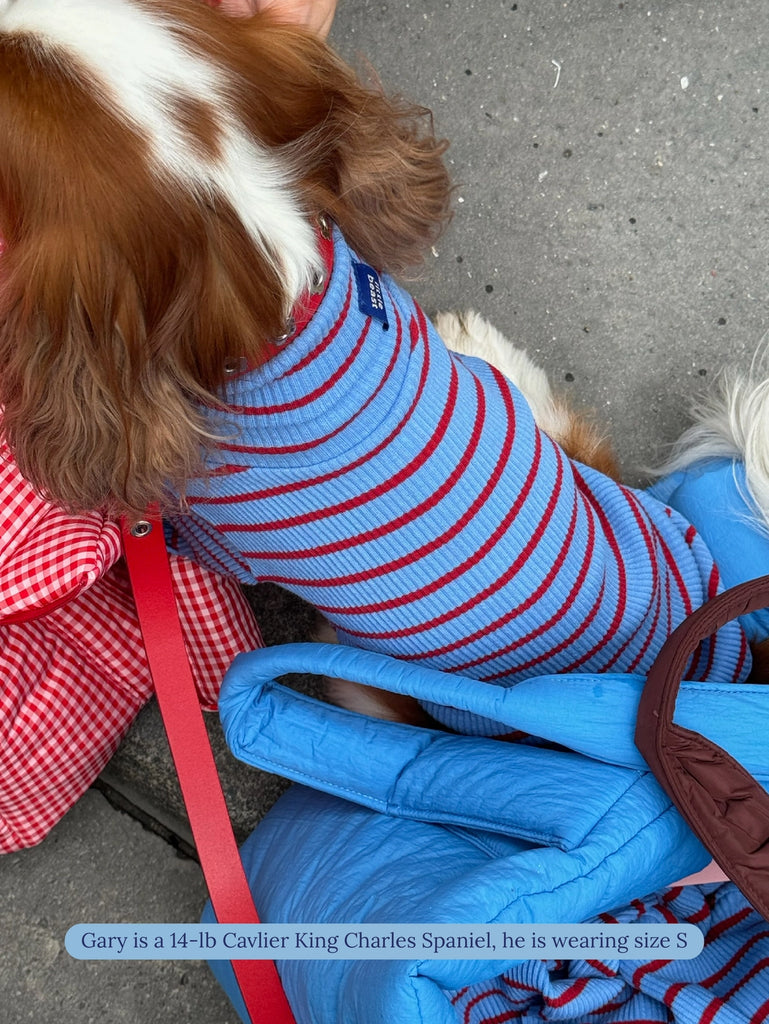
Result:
[[161, 169]]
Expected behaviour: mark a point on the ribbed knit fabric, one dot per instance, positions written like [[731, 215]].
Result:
[[727, 983], [407, 493]]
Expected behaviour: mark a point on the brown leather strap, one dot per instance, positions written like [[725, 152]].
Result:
[[722, 803]]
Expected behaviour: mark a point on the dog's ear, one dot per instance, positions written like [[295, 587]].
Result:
[[122, 294], [370, 161], [148, 244], [383, 179], [102, 368], [112, 345]]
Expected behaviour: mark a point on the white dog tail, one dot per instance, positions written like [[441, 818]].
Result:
[[731, 423]]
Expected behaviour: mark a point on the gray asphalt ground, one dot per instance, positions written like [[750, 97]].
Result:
[[611, 171]]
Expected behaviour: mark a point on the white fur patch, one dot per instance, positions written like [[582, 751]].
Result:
[[469, 334], [140, 63], [732, 423]]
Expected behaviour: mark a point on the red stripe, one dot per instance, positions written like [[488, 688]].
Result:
[[617, 1004], [407, 517], [307, 445], [664, 910], [673, 991], [514, 983], [214, 546], [757, 968], [621, 596], [761, 1014], [700, 915], [733, 960], [730, 922], [562, 646], [711, 1010], [426, 549], [411, 514], [652, 629], [360, 500], [675, 572], [649, 968], [500, 1018], [479, 999], [569, 995], [706, 649], [553, 650], [744, 649], [515, 612], [610, 537], [602, 968], [349, 467], [634, 1019], [476, 599], [655, 597], [523, 640], [667, 627], [714, 582], [460, 994], [366, 497], [692, 670]]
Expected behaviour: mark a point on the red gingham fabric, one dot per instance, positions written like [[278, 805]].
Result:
[[73, 672], [37, 569]]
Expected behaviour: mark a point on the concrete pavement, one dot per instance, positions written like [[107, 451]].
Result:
[[611, 218]]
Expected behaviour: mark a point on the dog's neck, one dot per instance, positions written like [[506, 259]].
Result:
[[303, 311], [304, 308]]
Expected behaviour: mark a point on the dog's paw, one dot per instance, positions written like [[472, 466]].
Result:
[[470, 334], [374, 703], [367, 700]]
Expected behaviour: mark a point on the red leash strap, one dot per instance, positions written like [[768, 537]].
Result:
[[147, 559]]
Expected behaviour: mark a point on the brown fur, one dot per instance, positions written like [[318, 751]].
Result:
[[584, 442], [759, 672], [122, 297]]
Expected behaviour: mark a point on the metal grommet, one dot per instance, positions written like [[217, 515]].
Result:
[[141, 529], [288, 333], [318, 281], [235, 364], [324, 225]]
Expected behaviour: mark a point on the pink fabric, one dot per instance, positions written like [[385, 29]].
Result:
[[72, 662], [712, 873]]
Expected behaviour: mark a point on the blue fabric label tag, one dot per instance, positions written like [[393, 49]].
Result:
[[370, 298]]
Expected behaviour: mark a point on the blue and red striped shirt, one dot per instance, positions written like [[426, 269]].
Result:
[[407, 493]]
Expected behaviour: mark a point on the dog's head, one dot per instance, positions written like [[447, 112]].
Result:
[[161, 166]]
